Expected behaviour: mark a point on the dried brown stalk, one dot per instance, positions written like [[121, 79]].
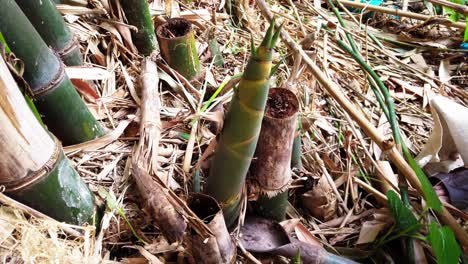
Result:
[[393, 154], [144, 159], [398, 12]]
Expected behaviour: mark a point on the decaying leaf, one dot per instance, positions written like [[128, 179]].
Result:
[[448, 136]]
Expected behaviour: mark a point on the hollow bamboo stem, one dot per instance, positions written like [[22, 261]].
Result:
[[272, 167], [368, 128], [398, 12], [177, 42], [138, 15], [64, 113], [50, 25], [218, 248], [33, 167]]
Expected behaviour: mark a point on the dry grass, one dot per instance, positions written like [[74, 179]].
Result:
[[333, 144]]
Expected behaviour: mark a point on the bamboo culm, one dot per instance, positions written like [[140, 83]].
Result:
[[49, 23], [138, 15], [64, 113], [33, 168], [241, 129]]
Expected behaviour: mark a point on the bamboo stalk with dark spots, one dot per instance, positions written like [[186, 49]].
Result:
[[272, 166], [215, 249], [64, 113], [242, 124], [49, 23], [177, 43], [138, 15], [33, 167]]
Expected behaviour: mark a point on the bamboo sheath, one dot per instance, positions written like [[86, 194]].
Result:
[[64, 113], [398, 12], [33, 168], [50, 25], [393, 154]]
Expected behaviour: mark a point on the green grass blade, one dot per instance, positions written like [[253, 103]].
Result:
[[404, 218]]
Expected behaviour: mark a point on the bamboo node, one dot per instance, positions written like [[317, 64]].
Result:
[[52, 85]]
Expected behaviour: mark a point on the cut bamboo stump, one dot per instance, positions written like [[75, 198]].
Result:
[[64, 113], [215, 249], [177, 42], [272, 167], [50, 25], [138, 15], [33, 167]]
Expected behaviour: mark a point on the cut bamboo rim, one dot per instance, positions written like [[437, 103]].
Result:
[[398, 12], [392, 153], [215, 249], [177, 42], [33, 167]]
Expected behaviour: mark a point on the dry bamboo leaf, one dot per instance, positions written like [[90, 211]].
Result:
[[448, 136], [87, 73], [444, 71], [369, 231], [304, 235], [321, 200], [99, 142]]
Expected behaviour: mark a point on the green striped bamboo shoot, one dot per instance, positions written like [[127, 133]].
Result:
[[272, 166], [242, 125], [138, 15], [177, 43], [50, 25], [33, 168], [64, 113]]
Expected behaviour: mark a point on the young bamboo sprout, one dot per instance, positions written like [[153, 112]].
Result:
[[242, 125], [215, 249], [33, 167], [177, 43], [272, 170], [64, 113], [138, 15], [50, 25]]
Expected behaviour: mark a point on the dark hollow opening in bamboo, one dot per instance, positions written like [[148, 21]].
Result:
[[204, 206], [282, 103], [174, 28]]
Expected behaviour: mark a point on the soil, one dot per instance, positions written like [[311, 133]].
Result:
[[281, 103], [174, 28]]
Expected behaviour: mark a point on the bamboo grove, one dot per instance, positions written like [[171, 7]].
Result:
[[258, 146]]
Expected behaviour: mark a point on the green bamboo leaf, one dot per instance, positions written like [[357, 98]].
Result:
[[111, 203], [3, 41], [443, 243], [404, 218], [297, 258], [429, 194]]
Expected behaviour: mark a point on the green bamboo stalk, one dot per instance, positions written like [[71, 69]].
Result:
[[138, 15], [64, 113], [273, 207], [177, 43], [242, 125], [50, 25], [33, 168]]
